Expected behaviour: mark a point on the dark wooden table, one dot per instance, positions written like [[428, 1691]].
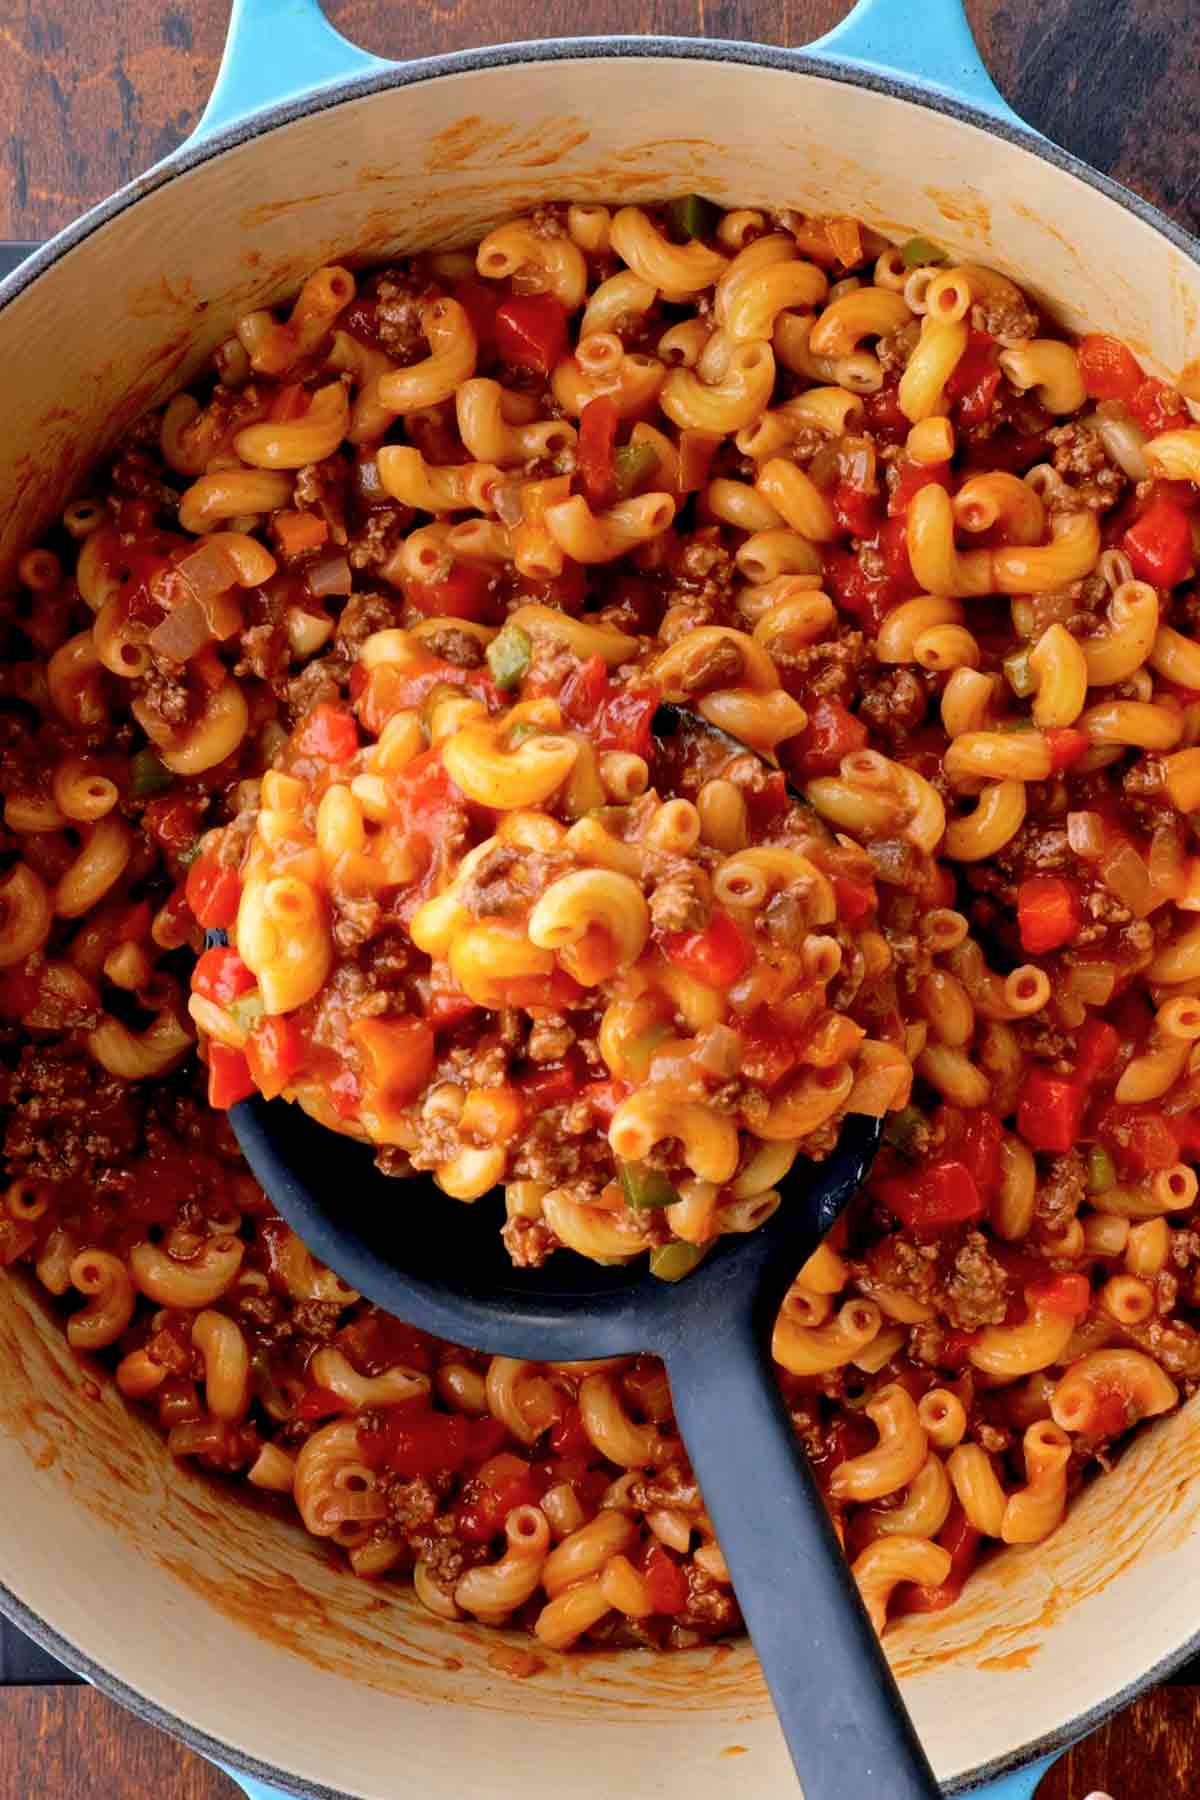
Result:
[[96, 90]]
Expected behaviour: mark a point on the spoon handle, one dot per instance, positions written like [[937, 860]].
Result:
[[834, 1694]]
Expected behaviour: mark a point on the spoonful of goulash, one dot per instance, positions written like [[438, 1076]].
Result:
[[610, 993]]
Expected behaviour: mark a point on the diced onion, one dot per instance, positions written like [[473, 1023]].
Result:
[[1086, 835], [329, 574], [506, 498], [208, 571], [184, 631], [1124, 873], [1092, 982]]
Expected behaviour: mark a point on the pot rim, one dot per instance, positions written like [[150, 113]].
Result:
[[614, 47]]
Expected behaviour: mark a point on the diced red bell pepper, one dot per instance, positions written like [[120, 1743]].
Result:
[[913, 477], [329, 732], [893, 547], [531, 332], [972, 384], [1159, 544], [855, 900], [229, 1077], [275, 1053], [585, 691], [934, 1198], [716, 956], [625, 721], [1157, 407], [1109, 369], [220, 975], [1096, 1046], [1139, 1137], [832, 732], [1068, 1295], [213, 893], [480, 301], [1050, 1111], [598, 424], [1066, 746], [855, 510], [465, 593], [665, 1581], [973, 1136], [1049, 913]]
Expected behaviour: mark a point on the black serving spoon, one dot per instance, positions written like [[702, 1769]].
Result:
[[442, 1266]]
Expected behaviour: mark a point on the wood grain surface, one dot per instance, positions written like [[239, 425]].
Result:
[[94, 91]]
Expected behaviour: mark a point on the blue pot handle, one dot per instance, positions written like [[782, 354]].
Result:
[[277, 51], [929, 41]]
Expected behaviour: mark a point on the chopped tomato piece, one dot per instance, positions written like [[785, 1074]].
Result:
[[913, 477], [320, 1403], [605, 1097], [557, 989], [568, 1437], [465, 593], [716, 956], [275, 1053], [1109, 369], [1049, 913], [665, 1582], [447, 1006], [172, 821], [972, 384], [832, 732], [549, 1084], [768, 1054], [415, 1440], [594, 453], [229, 1078], [531, 332], [883, 416], [955, 1346], [220, 975], [1157, 407], [329, 732], [1159, 544], [973, 1136], [961, 1539], [1066, 746], [1050, 1111], [1069, 1295], [213, 892], [932, 1199], [133, 925], [855, 510]]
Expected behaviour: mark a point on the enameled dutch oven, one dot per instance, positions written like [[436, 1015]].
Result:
[[220, 1622]]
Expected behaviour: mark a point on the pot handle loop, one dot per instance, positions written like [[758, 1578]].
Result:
[[929, 41], [1021, 1785], [258, 1790], [277, 51]]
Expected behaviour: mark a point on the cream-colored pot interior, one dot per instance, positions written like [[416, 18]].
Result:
[[220, 1615]]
